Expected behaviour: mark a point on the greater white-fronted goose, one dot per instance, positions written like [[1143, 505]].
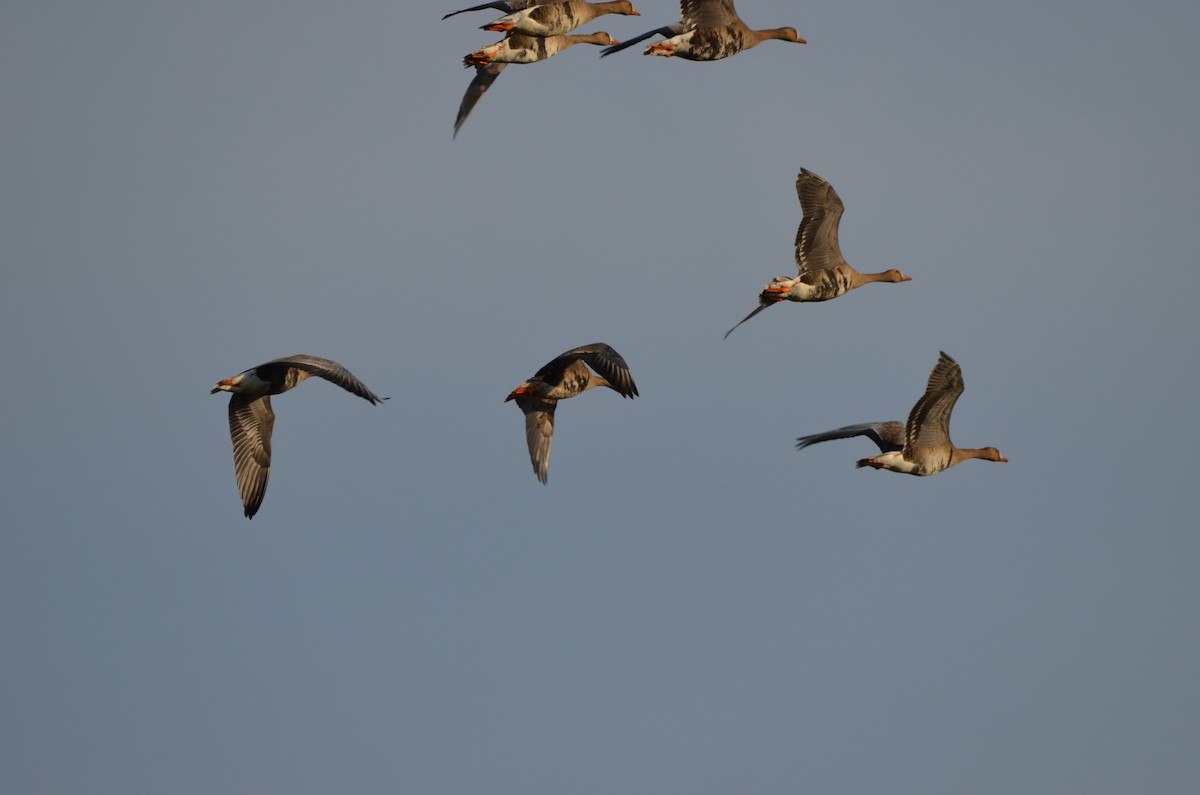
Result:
[[564, 377], [823, 273], [251, 418], [519, 48], [490, 61], [921, 446], [484, 75], [708, 30], [555, 18]]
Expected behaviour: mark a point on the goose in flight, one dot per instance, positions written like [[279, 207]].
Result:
[[708, 30], [823, 273], [251, 418], [490, 61], [922, 445], [566, 376]]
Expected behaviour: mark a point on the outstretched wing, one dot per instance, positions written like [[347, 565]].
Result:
[[929, 421], [250, 423], [888, 436], [485, 75], [329, 370], [539, 432], [601, 357], [760, 308], [817, 238], [707, 13], [666, 31], [507, 8]]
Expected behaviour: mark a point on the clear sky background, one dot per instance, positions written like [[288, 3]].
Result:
[[691, 605]]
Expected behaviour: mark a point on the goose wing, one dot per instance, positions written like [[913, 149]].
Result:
[[510, 7], [760, 308], [329, 370], [707, 13], [251, 421], [539, 432], [602, 358], [929, 421], [888, 436], [485, 75], [667, 31], [817, 238]]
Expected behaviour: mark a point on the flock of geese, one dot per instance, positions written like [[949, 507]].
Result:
[[534, 30], [708, 30]]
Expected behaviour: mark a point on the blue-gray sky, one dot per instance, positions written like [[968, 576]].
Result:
[[692, 606]]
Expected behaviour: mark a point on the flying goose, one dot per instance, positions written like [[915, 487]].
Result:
[[708, 30], [484, 75], [251, 418], [566, 376], [921, 446], [824, 273], [490, 61]]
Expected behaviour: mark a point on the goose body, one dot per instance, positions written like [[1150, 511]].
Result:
[[566, 376], [708, 30], [822, 272], [251, 418], [519, 48], [555, 18], [921, 446]]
